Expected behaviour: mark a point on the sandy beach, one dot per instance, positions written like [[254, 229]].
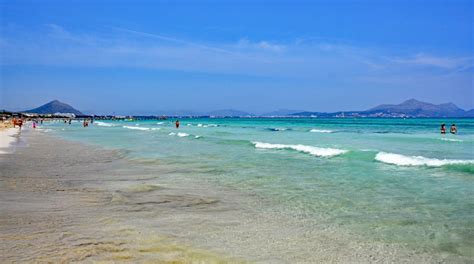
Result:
[[63, 201]]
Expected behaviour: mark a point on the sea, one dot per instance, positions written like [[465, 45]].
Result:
[[396, 181]]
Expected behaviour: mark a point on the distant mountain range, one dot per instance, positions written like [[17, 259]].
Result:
[[54, 107], [229, 112], [409, 108]]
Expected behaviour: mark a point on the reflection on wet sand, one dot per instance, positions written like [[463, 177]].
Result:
[[56, 208]]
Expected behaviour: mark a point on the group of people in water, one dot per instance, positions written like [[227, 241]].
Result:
[[85, 123], [452, 130]]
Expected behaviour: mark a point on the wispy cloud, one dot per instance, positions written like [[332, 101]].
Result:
[[125, 47], [244, 43], [171, 39], [423, 59]]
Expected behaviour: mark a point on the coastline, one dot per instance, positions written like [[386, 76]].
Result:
[[66, 201], [8, 136]]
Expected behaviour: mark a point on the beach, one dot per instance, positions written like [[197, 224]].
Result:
[[64, 201]]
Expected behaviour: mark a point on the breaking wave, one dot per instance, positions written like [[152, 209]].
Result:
[[321, 131], [451, 139], [103, 124], [138, 128], [179, 134], [315, 151], [277, 129], [401, 160]]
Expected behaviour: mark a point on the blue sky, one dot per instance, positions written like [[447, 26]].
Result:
[[257, 56]]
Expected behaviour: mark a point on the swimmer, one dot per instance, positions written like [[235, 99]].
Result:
[[443, 129], [177, 123], [453, 129]]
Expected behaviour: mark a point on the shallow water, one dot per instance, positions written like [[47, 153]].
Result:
[[390, 180]]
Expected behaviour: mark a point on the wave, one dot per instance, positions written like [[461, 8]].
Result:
[[179, 134], [138, 128], [321, 131], [160, 123], [209, 125], [277, 129], [103, 124], [315, 151], [401, 160], [451, 139]]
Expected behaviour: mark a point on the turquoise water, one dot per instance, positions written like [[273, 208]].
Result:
[[391, 180]]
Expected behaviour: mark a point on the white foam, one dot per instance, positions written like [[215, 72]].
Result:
[[180, 134], [155, 128], [137, 128], [314, 130], [171, 134], [160, 123], [401, 160], [103, 124], [7, 138], [315, 151], [451, 139], [197, 136]]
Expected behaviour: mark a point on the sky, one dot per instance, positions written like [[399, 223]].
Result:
[[143, 57]]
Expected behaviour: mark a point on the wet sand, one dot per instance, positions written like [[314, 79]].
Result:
[[62, 202]]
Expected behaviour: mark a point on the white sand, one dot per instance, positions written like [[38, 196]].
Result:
[[7, 138]]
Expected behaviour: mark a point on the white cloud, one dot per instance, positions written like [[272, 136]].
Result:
[[309, 60], [244, 43], [422, 59]]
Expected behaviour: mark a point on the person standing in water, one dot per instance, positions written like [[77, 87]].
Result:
[[177, 123], [443, 129], [453, 129]]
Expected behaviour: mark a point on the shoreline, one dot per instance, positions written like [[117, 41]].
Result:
[[8, 136], [99, 206]]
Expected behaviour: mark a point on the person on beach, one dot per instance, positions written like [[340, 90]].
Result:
[[70, 121], [20, 123], [453, 129], [443, 129], [177, 123], [85, 123]]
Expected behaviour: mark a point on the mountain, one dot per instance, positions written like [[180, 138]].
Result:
[[54, 107], [281, 112], [470, 113], [409, 108], [229, 113], [414, 107]]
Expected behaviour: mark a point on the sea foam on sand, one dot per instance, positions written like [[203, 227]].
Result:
[[7, 137]]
